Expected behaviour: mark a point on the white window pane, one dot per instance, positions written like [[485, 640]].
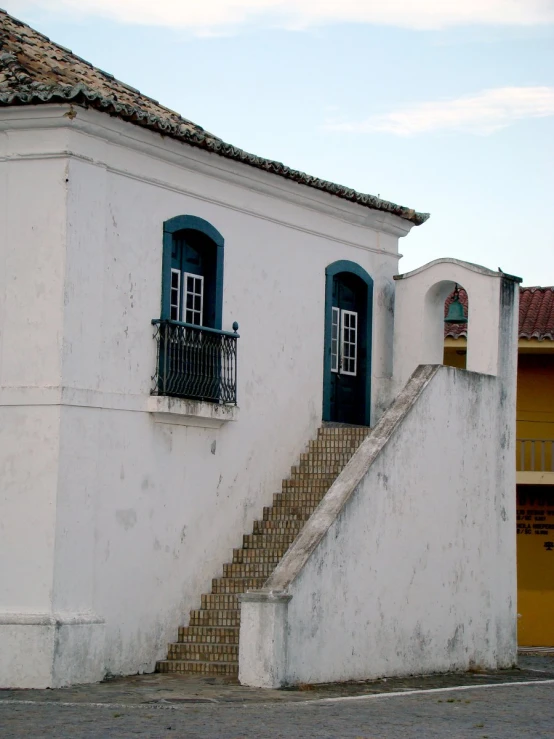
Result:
[[193, 298], [349, 342], [175, 295]]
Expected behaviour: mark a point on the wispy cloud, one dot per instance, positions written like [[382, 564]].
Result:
[[200, 15], [484, 113]]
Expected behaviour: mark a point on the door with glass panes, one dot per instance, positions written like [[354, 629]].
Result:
[[348, 349], [192, 297]]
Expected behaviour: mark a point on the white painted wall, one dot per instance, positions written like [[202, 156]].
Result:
[[142, 514], [416, 573]]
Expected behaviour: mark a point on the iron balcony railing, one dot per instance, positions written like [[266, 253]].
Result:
[[535, 455], [195, 362]]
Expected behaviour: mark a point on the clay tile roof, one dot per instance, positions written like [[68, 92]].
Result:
[[536, 314], [34, 70]]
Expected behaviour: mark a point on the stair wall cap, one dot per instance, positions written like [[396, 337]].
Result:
[[265, 596], [348, 480]]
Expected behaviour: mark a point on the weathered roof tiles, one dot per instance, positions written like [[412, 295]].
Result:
[[536, 313], [34, 70]]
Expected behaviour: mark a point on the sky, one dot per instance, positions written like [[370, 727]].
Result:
[[445, 106]]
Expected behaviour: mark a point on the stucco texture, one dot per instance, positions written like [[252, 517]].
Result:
[[417, 573]]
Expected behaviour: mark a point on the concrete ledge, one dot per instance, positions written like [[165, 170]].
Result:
[[180, 412], [534, 478], [45, 650], [8, 618]]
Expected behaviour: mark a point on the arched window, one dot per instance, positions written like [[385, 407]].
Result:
[[192, 281]]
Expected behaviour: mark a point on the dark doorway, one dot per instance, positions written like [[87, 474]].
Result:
[[347, 344]]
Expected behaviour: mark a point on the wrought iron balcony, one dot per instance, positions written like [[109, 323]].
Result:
[[535, 455], [195, 362]]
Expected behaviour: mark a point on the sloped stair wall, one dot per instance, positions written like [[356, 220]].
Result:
[[408, 563]]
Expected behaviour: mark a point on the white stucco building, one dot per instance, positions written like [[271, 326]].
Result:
[[142, 431]]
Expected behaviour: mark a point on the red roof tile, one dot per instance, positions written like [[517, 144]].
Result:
[[536, 314]]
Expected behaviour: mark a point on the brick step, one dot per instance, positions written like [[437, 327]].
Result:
[[294, 498], [259, 556], [336, 443], [313, 476], [282, 514], [272, 541], [221, 669], [330, 444], [327, 435], [208, 634], [288, 514], [305, 487], [302, 512], [324, 457], [331, 429], [320, 470], [228, 585], [281, 526], [219, 601], [204, 652], [301, 480], [204, 617], [250, 569]]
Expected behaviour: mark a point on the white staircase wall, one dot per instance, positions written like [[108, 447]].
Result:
[[408, 565], [417, 574]]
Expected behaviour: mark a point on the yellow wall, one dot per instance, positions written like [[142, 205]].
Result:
[[535, 503], [535, 396], [455, 353], [535, 565]]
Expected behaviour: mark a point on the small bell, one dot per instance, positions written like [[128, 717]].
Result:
[[455, 310]]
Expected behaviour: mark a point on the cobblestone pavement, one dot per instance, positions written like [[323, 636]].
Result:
[[376, 710]]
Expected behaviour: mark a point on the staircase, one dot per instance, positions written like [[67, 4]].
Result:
[[210, 644]]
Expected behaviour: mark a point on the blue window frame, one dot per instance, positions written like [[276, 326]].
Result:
[[192, 272]]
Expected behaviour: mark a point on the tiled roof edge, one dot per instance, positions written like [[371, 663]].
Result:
[[35, 93], [535, 288]]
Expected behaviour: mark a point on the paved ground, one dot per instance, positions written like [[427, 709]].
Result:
[[515, 704]]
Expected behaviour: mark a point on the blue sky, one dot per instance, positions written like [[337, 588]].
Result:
[[443, 106]]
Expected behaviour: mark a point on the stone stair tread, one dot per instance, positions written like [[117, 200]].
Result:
[[187, 666], [203, 652], [201, 661], [207, 646]]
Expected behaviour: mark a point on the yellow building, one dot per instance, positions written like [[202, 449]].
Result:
[[534, 458]]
